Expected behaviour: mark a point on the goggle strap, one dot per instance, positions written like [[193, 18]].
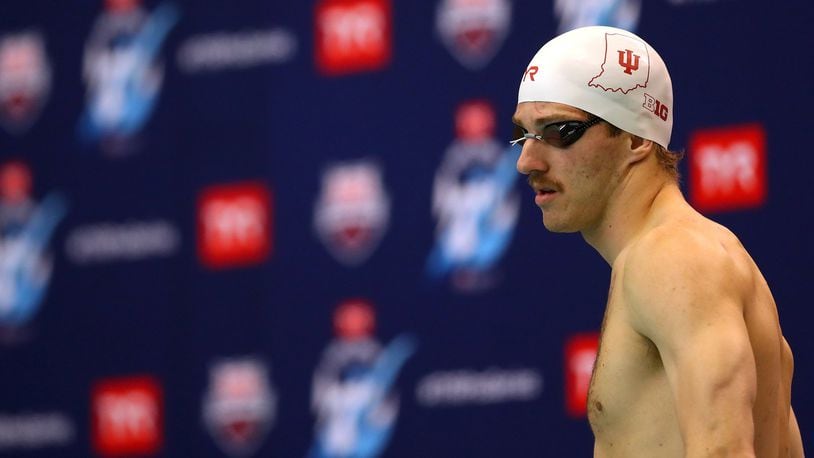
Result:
[[526, 136]]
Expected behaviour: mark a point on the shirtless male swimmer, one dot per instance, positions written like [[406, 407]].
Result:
[[692, 361]]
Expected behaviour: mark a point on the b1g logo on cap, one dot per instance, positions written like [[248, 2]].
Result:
[[234, 225], [352, 35], [728, 168], [626, 65], [656, 107]]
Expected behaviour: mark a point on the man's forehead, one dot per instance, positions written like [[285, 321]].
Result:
[[532, 112]]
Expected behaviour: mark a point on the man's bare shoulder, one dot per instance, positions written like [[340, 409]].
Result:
[[683, 268], [681, 250]]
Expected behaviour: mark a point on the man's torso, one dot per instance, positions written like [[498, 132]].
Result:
[[630, 402]]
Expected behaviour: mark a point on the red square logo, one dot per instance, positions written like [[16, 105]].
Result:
[[728, 168], [352, 35], [127, 416], [580, 355], [234, 225]]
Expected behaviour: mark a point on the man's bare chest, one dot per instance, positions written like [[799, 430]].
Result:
[[628, 376]]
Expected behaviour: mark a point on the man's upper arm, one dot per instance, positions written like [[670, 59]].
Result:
[[685, 296]]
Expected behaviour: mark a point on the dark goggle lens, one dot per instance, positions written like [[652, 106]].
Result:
[[563, 134], [558, 134]]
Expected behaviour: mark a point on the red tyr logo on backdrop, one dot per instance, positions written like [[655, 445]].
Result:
[[352, 35], [127, 416], [234, 225], [580, 354], [728, 168]]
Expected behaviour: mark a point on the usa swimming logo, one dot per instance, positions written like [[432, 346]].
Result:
[[352, 212], [25, 79], [473, 32], [123, 72], [240, 405], [26, 229]]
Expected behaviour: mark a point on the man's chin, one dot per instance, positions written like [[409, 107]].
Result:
[[554, 225]]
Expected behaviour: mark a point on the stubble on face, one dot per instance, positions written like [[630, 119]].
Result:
[[593, 182], [587, 176], [583, 175]]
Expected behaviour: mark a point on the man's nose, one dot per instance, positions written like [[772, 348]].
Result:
[[531, 158]]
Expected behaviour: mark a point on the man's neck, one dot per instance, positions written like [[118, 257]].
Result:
[[629, 211]]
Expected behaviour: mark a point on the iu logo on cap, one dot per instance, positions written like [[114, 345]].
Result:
[[629, 61], [728, 168], [580, 354], [352, 35], [626, 65], [127, 416], [234, 225]]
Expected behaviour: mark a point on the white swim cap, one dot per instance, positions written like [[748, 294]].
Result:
[[608, 72]]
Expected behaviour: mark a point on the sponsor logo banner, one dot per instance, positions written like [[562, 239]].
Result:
[[240, 405], [475, 202], [25, 79], [473, 31], [353, 211], [234, 225], [353, 35], [236, 50], [131, 241], [26, 228], [470, 387], [32, 431], [728, 168], [354, 396], [127, 416], [580, 355]]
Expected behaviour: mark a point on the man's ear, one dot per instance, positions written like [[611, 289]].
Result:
[[639, 149]]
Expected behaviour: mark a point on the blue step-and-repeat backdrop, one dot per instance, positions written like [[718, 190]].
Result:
[[294, 229]]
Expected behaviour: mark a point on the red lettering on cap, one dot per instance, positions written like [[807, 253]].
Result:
[[656, 107], [530, 72], [628, 61]]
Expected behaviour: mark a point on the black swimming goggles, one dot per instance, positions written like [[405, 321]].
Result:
[[557, 134]]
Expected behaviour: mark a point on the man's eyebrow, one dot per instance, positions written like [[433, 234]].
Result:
[[544, 119]]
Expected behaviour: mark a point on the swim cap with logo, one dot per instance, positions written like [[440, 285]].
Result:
[[608, 72]]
